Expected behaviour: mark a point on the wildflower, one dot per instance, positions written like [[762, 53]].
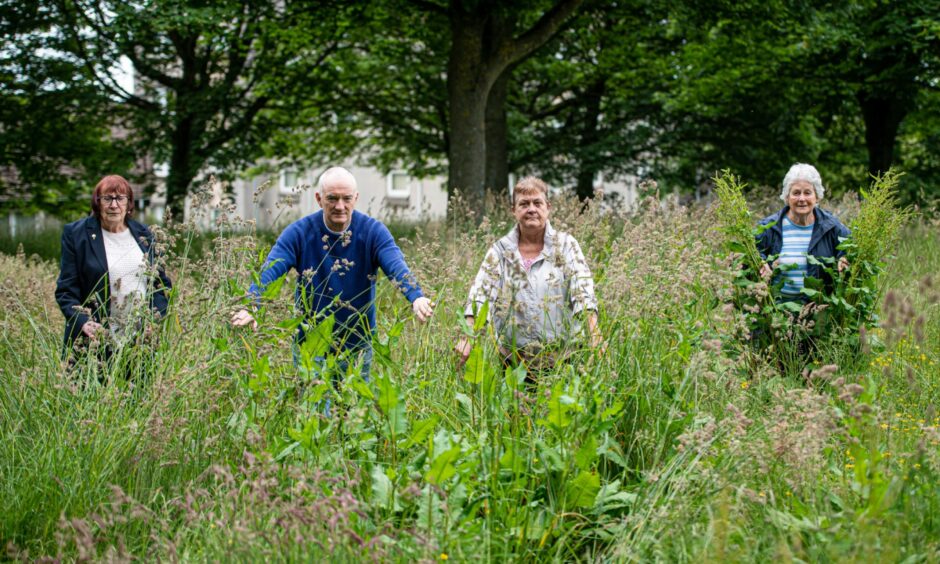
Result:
[[444, 556], [745, 384], [849, 466]]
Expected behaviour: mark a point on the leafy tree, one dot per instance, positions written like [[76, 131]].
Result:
[[215, 78], [763, 84], [591, 102], [427, 90], [886, 53], [55, 127]]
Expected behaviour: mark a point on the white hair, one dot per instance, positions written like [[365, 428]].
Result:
[[333, 174], [804, 172]]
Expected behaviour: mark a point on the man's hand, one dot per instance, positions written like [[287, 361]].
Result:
[[92, 329], [423, 309], [463, 351], [241, 318]]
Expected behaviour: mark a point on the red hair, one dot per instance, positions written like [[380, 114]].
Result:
[[112, 184]]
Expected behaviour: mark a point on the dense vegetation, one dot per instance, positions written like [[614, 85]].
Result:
[[672, 445]]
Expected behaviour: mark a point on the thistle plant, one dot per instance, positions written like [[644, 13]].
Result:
[[736, 221], [771, 326], [876, 232]]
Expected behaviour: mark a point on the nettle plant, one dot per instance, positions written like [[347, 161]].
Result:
[[829, 315]]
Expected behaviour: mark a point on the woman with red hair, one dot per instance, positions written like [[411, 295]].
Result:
[[108, 284]]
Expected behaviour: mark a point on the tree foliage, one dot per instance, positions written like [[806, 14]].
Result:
[[56, 128]]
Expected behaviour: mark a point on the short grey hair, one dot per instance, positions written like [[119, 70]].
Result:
[[804, 172], [530, 185], [336, 173]]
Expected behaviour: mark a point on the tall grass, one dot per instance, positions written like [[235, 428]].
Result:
[[666, 447]]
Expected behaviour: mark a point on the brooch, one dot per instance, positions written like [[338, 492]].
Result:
[[94, 235]]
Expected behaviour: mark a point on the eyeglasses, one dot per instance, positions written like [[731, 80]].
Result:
[[108, 200]]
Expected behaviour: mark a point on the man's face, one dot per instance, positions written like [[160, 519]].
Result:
[[337, 198]]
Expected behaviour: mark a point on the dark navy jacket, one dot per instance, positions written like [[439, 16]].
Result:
[[82, 288], [827, 230]]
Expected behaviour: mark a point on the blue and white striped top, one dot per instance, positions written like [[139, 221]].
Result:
[[796, 240]]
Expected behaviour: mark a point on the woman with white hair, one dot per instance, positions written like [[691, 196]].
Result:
[[799, 230]]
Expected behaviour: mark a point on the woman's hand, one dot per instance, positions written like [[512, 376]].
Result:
[[462, 348], [597, 340], [92, 329], [767, 270], [842, 265]]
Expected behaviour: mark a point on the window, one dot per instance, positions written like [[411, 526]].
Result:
[[398, 186], [289, 179]]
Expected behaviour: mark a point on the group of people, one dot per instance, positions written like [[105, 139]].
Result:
[[534, 285]]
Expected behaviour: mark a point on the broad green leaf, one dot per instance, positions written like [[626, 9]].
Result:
[[474, 369], [361, 387], [611, 450], [582, 490], [420, 431], [587, 454], [317, 340], [479, 322], [549, 456], [381, 487], [391, 402], [613, 410], [559, 407], [465, 402], [442, 468], [273, 289]]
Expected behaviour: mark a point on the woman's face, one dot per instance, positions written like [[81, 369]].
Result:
[[113, 209], [802, 197], [531, 210]]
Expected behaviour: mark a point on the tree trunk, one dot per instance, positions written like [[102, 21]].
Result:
[[497, 143], [883, 117], [482, 48], [182, 169], [468, 87], [589, 136]]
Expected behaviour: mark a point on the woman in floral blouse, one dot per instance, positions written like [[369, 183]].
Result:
[[536, 284]]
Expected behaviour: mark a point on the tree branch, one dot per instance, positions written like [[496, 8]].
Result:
[[548, 25], [428, 6]]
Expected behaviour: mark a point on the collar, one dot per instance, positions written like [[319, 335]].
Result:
[[511, 239], [337, 233]]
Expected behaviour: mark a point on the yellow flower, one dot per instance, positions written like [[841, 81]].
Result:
[[849, 466], [917, 466], [884, 425], [745, 384], [444, 556]]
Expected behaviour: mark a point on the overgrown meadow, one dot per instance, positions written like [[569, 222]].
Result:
[[679, 442]]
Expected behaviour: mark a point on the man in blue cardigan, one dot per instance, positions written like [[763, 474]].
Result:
[[337, 252]]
